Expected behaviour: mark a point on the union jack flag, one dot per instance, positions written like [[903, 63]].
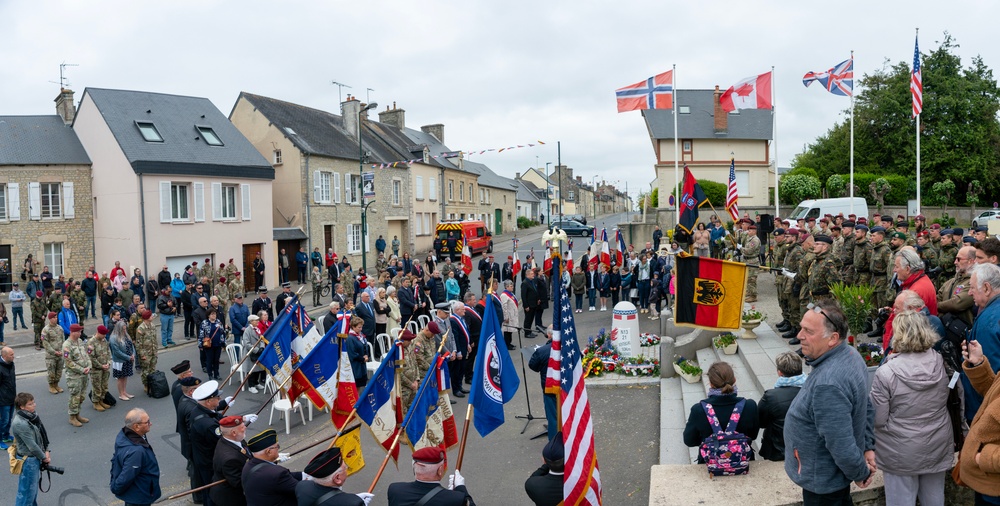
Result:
[[657, 92], [917, 82], [839, 80]]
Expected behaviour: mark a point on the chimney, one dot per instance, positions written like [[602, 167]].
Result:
[[566, 172], [721, 118], [437, 130], [517, 175], [64, 106], [579, 179], [393, 117], [349, 110]]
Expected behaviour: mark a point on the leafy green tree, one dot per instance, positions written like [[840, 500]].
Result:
[[941, 193], [836, 186], [972, 196], [795, 188]]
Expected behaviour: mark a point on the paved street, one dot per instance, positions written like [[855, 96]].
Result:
[[626, 424]]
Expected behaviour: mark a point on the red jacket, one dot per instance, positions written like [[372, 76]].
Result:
[[920, 283]]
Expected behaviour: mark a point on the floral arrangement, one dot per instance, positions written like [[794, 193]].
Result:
[[592, 366], [723, 340], [602, 357], [688, 366], [872, 353], [647, 339], [639, 366], [857, 303], [753, 314]]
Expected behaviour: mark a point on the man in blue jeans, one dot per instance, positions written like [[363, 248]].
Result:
[[165, 305], [8, 389], [89, 287]]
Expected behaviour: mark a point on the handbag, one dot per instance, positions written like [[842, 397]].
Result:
[[16, 464]]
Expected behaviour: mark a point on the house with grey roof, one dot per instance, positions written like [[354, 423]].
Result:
[[708, 138], [527, 201], [45, 196], [497, 198], [174, 182]]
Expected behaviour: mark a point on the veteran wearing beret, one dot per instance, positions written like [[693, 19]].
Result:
[[265, 483], [328, 472], [429, 466]]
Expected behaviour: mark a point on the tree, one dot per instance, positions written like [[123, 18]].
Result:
[[797, 187], [972, 196], [879, 188], [836, 186], [941, 193], [715, 192], [960, 130]]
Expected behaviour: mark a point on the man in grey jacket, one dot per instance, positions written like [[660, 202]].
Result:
[[829, 428]]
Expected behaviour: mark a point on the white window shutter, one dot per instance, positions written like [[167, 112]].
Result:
[[245, 195], [336, 187], [347, 188], [317, 190], [34, 201], [166, 215], [69, 202], [199, 202], [13, 201], [216, 201]]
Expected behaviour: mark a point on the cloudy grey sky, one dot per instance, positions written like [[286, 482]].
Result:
[[494, 73]]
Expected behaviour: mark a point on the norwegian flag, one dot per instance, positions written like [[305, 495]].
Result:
[[917, 81], [657, 92], [620, 252], [733, 193], [605, 249], [839, 80]]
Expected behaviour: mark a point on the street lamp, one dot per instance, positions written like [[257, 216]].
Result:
[[361, 198], [548, 193], [595, 196]]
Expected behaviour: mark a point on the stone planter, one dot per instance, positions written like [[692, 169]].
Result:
[[729, 350], [690, 378], [748, 326]]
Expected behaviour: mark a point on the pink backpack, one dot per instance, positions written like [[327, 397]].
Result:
[[726, 453]]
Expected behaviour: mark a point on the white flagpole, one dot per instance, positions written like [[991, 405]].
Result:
[[918, 139], [852, 131], [677, 166], [774, 140]]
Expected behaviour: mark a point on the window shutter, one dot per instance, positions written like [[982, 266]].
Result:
[[216, 201], [350, 238], [165, 204], [69, 202], [317, 190], [336, 187], [245, 195], [34, 201], [199, 202], [13, 201]]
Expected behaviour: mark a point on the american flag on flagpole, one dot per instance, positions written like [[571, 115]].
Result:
[[917, 81], [564, 377], [732, 194]]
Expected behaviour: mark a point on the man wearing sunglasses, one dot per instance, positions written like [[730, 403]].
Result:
[[829, 437]]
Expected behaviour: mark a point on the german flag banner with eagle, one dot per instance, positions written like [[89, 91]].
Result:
[[709, 293]]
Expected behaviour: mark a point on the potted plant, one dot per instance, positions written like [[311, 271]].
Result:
[[857, 302], [751, 319], [726, 342], [688, 370]]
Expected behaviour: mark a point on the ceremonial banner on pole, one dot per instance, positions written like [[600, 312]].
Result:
[[692, 197], [315, 374], [346, 395], [494, 380], [424, 404], [709, 293], [376, 404], [350, 449], [278, 357], [441, 428]]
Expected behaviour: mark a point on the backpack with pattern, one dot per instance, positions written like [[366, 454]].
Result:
[[726, 453]]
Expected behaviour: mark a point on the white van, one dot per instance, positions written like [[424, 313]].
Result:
[[821, 207]]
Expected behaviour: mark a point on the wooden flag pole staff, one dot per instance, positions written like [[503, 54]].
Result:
[[240, 364], [730, 236], [465, 436], [395, 441]]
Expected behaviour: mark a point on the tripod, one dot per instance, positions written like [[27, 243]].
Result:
[[529, 417]]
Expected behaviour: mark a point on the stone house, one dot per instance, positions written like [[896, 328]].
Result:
[[174, 182], [527, 199], [497, 199], [708, 137], [46, 203]]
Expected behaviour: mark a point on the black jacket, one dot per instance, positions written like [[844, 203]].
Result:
[[544, 489], [771, 409], [263, 305], [539, 361], [280, 301], [202, 426], [308, 492], [8, 386], [163, 279], [697, 428], [409, 494], [184, 408], [530, 298], [270, 484], [228, 464]]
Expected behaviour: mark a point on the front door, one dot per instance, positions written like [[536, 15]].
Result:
[[291, 247], [498, 222], [250, 283]]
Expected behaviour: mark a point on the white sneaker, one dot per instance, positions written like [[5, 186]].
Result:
[[253, 390], [591, 308], [604, 308]]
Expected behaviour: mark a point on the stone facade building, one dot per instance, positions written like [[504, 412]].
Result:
[[45, 195]]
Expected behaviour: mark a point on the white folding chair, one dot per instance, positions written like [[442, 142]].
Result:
[[412, 327], [285, 408], [235, 354], [372, 364], [423, 320]]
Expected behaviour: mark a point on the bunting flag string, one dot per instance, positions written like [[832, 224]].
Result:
[[452, 154]]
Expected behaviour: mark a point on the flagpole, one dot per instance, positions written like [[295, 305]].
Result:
[[240, 365], [918, 137], [677, 166], [340, 430], [774, 140], [852, 131], [465, 437]]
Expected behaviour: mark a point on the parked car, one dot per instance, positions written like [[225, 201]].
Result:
[[480, 239], [573, 227], [576, 217], [980, 221]]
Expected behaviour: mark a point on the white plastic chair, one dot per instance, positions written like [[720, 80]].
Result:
[[372, 364], [412, 327], [423, 320], [235, 354], [285, 408], [394, 333], [384, 343]]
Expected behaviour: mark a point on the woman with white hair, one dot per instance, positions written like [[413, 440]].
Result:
[[909, 271], [511, 316]]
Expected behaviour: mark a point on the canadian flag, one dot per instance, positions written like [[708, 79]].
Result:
[[466, 258], [750, 93], [517, 264]]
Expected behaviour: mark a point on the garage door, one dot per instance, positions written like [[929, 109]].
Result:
[[177, 264]]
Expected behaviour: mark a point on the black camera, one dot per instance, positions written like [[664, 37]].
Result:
[[54, 469], [883, 316]]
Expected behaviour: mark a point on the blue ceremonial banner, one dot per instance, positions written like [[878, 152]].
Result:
[[379, 389], [277, 357], [494, 380], [424, 404], [315, 375]]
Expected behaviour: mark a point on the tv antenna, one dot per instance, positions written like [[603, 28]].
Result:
[[340, 89], [368, 95], [63, 83]]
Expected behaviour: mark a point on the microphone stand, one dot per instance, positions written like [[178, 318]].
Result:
[[524, 374]]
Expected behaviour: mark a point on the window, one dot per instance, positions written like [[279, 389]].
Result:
[[277, 157], [427, 223], [743, 183], [321, 187], [51, 200], [149, 131], [489, 200], [223, 202], [353, 238], [461, 191], [418, 187], [209, 135], [432, 189], [569, 195], [351, 182], [179, 202], [686, 146], [397, 192], [3, 202], [482, 196], [451, 190], [54, 257], [419, 224]]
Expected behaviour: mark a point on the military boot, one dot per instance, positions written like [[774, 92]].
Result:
[[783, 325], [98, 406], [82, 419], [791, 333], [105, 405], [59, 388], [54, 388], [74, 422]]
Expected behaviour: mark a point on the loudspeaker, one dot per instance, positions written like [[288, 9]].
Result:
[[765, 224]]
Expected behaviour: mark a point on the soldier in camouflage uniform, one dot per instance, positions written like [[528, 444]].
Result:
[[847, 253], [896, 242], [222, 290], [946, 257], [39, 312], [880, 268], [903, 227], [347, 281], [381, 264], [419, 352], [100, 368], [927, 252], [230, 270], [792, 259], [780, 251], [77, 368], [825, 270], [79, 300], [862, 256], [54, 302], [751, 256], [802, 276], [207, 271], [132, 326], [935, 231], [146, 341], [837, 250], [235, 284], [52, 340]]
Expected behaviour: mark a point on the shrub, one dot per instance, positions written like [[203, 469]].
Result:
[[524, 222], [798, 187]]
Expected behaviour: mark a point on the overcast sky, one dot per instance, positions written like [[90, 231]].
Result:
[[495, 74]]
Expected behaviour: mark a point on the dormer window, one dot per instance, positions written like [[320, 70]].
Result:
[[208, 134], [148, 131]]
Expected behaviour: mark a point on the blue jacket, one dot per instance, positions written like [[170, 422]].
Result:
[[177, 287], [986, 330], [830, 424], [88, 285], [135, 474], [356, 351], [238, 314], [67, 317]]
